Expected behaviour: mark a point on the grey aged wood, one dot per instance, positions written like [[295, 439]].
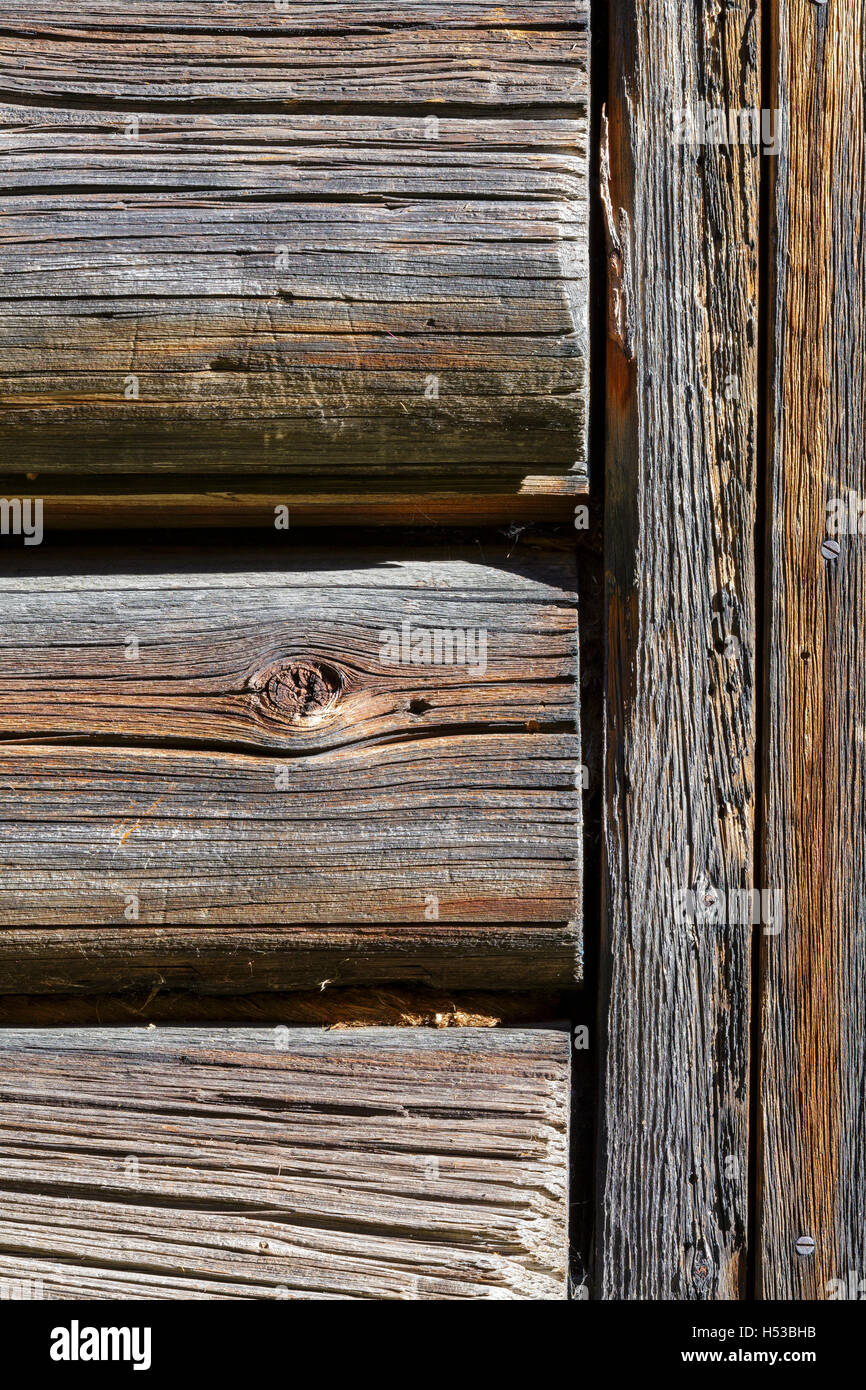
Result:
[[812, 1169], [275, 1163], [335, 239], [189, 747], [682, 227]]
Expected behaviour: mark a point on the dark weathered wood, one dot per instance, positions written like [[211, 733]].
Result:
[[812, 1158], [275, 1163], [136, 501], [268, 757], [231, 960], [679, 813], [398, 1006], [341, 242]]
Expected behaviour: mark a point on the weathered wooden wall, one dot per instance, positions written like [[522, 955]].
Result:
[[338, 241], [282, 265], [812, 1162], [234, 771], [269, 1163], [344, 248]]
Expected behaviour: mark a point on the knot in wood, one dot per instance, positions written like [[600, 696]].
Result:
[[300, 691]]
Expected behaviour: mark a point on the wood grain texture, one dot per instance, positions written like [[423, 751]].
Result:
[[161, 51], [288, 1164], [682, 225], [812, 1169], [341, 242], [274, 757]]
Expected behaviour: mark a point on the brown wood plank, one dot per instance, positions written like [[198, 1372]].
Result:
[[234, 960], [274, 1163], [141, 501], [680, 510], [351, 246], [812, 1171], [263, 740]]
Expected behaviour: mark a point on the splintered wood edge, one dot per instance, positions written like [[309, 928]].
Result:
[[214, 1215]]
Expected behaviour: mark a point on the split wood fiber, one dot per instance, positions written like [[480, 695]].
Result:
[[812, 1154], [277, 1163], [682, 420], [331, 241], [229, 773]]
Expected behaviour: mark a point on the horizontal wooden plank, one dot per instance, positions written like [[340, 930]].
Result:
[[274, 1163], [142, 501], [460, 53], [486, 826], [280, 248], [287, 16], [289, 738], [194, 653], [226, 961]]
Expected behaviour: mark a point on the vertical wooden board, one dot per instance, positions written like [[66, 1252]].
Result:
[[812, 1171], [276, 1163], [679, 817]]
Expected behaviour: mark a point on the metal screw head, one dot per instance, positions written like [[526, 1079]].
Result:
[[831, 550], [805, 1245]]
